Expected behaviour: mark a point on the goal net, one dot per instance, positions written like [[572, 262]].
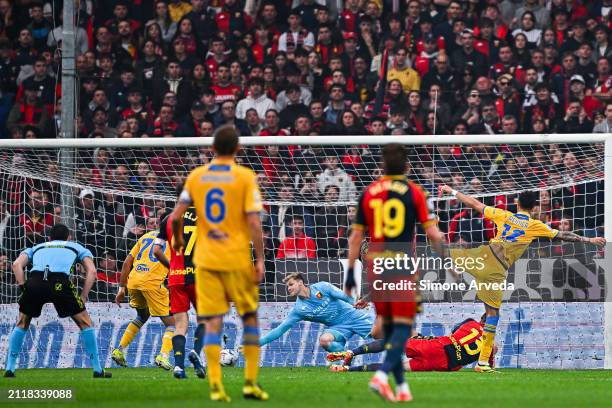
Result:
[[112, 191]]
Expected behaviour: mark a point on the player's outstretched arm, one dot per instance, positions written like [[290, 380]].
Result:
[[123, 279], [90, 277], [466, 199], [281, 329], [256, 231], [19, 268], [569, 236], [353, 253], [336, 293], [158, 252], [176, 220]]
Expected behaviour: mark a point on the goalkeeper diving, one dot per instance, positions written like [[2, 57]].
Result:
[[323, 303], [515, 231], [424, 353]]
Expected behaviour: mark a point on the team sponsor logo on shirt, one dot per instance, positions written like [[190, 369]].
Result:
[[319, 295], [142, 268]]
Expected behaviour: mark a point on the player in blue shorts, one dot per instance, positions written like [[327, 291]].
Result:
[[323, 303]]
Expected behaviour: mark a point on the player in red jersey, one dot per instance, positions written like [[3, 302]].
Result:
[[181, 282], [390, 208], [425, 353]]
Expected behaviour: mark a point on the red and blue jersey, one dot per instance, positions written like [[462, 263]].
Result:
[[182, 270]]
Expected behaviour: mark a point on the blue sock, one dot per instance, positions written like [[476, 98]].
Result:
[[89, 340], [198, 338], [491, 323], [178, 345], [15, 343], [335, 346], [395, 349]]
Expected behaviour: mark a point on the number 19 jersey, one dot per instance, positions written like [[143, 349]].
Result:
[[390, 208], [223, 193]]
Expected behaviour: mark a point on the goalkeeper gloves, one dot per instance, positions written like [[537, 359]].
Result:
[[350, 279]]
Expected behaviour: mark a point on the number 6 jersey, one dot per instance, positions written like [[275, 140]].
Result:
[[223, 194]]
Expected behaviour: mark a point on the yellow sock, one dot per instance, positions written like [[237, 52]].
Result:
[[251, 363], [130, 332], [250, 341], [166, 346], [213, 361], [487, 347]]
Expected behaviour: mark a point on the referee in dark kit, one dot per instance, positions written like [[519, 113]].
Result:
[[51, 264]]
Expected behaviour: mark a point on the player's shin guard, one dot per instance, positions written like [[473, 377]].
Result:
[[166, 346], [395, 349], [198, 338], [89, 340], [212, 349], [250, 341], [15, 343], [178, 345], [130, 332], [489, 329], [370, 348]]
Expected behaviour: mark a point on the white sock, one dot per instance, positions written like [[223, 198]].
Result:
[[403, 388], [382, 376]]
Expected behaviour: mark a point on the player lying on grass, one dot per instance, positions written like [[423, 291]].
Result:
[[49, 282], [144, 275], [323, 303], [514, 234], [425, 353], [181, 283]]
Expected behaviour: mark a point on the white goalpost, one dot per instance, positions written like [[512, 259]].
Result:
[[112, 190]]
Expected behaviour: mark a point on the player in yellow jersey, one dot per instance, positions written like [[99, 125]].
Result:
[[514, 234], [143, 275], [227, 202]]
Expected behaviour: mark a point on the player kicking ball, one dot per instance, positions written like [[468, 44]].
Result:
[[424, 353], [323, 303], [144, 275], [514, 234], [181, 282]]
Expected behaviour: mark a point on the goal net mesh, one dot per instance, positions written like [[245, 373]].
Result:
[[117, 194]]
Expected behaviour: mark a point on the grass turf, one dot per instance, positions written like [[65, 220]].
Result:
[[315, 387]]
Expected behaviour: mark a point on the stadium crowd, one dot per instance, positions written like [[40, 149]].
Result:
[[172, 68]]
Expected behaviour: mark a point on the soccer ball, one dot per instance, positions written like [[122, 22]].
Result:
[[229, 358]]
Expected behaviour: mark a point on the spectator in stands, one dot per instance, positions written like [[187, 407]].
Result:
[[173, 81], [333, 175], [407, 76], [294, 106], [576, 119], [108, 270], [30, 111], [38, 217], [606, 125], [298, 245], [227, 116], [256, 99], [331, 225], [90, 223], [190, 126]]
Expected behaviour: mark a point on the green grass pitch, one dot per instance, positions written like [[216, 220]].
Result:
[[315, 387]]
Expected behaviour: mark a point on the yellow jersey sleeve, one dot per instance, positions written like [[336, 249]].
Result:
[[538, 229], [497, 215], [252, 200], [135, 249]]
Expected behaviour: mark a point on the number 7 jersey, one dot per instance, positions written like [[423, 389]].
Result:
[[223, 194], [182, 271]]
